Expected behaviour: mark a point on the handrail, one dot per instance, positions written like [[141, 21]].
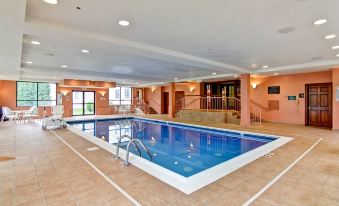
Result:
[[259, 105], [255, 115], [208, 103], [143, 105], [142, 145], [118, 146]]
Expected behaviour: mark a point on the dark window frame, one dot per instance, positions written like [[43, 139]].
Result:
[[37, 95], [84, 103]]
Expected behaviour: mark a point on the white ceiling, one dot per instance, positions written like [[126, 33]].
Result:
[[188, 39]]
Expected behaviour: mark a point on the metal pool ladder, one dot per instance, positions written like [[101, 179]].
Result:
[[134, 142]]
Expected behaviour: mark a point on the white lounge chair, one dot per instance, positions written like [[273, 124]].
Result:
[[8, 113], [31, 114], [56, 120]]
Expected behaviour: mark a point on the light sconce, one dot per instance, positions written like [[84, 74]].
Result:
[[102, 95], [64, 92], [153, 89], [192, 89], [254, 85]]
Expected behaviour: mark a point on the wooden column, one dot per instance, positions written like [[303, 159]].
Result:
[[245, 118], [171, 96]]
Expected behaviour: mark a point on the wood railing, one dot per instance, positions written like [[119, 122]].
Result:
[[140, 103], [208, 103], [255, 115]]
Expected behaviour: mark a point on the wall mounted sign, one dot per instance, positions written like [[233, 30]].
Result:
[[292, 97], [274, 90], [301, 95], [337, 93]]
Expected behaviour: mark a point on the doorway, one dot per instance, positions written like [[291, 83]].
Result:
[[165, 102], [83, 103], [319, 105]]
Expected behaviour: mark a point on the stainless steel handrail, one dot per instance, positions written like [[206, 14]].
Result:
[[118, 145], [143, 146]]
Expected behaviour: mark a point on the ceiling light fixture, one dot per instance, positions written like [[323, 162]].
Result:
[[276, 73], [35, 42], [320, 21], [330, 36], [335, 47], [175, 78], [28, 62], [337, 55], [214, 73], [265, 66], [124, 23], [51, 1], [85, 51], [64, 66]]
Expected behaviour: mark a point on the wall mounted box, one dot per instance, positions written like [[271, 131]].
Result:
[[292, 97], [274, 90]]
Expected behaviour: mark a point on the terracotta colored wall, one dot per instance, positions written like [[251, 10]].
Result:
[[290, 111], [154, 98], [101, 102], [335, 79], [8, 98]]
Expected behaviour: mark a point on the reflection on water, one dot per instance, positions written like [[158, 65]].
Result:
[[184, 150]]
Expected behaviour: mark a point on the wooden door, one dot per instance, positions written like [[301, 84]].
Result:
[[319, 105], [179, 95], [165, 102]]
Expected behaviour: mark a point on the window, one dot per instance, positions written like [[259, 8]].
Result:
[[120, 96], [35, 94]]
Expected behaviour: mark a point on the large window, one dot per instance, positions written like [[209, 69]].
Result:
[[120, 96], [35, 94]]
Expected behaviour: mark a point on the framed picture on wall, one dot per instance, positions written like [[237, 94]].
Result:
[[274, 90]]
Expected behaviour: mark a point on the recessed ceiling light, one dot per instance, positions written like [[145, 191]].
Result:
[[85, 51], [330, 36], [265, 66], [124, 23], [286, 30], [320, 21], [35, 42], [254, 66], [175, 78], [51, 1], [136, 83], [214, 73], [276, 73], [335, 47], [337, 55], [64, 66], [235, 76], [29, 62]]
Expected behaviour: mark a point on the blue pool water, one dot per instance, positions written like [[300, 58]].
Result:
[[185, 150]]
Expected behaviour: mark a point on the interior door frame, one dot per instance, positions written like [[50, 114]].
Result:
[[83, 102], [307, 86]]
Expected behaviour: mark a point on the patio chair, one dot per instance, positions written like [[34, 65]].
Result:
[[8, 113], [31, 114]]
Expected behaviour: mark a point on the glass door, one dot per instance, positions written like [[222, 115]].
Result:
[[83, 103]]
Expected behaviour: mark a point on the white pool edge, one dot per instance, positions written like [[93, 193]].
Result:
[[199, 180]]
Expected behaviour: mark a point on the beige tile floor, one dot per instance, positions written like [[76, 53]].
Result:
[[47, 172]]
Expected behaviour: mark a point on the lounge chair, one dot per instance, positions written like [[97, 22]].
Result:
[[31, 114], [56, 120], [8, 113]]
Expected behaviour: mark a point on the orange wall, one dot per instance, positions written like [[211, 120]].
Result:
[[101, 102], [290, 111], [8, 98], [154, 97]]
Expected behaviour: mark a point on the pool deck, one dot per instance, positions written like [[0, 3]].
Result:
[[46, 171]]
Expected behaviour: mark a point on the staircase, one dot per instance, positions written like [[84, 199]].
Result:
[[141, 107]]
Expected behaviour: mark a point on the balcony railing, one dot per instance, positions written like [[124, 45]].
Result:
[[208, 103]]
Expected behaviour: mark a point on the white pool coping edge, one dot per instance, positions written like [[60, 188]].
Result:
[[196, 181]]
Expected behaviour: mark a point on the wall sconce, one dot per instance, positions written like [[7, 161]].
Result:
[[192, 89], [254, 85], [102, 95], [64, 92], [153, 89]]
